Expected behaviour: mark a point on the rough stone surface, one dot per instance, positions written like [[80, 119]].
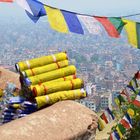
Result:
[[66, 120], [8, 76]]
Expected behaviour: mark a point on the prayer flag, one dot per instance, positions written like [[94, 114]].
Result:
[[24, 4], [6, 0], [121, 130], [133, 32], [125, 122], [91, 24], [101, 125], [112, 25], [136, 102], [56, 19], [73, 22], [103, 117], [114, 136], [110, 113]]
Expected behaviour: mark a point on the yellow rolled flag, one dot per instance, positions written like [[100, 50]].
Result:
[[66, 78], [1, 92], [44, 69], [43, 89], [41, 78], [60, 96], [41, 61]]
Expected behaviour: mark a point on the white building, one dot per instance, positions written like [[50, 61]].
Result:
[[89, 103], [106, 101]]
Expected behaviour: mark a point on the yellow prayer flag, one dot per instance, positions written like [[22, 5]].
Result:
[[119, 132], [130, 28], [117, 102], [131, 112], [101, 124], [56, 19]]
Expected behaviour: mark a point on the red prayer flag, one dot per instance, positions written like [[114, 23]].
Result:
[[6, 0], [109, 27], [103, 116], [137, 75], [125, 124]]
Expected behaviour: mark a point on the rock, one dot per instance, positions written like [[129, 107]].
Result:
[[66, 120], [8, 76]]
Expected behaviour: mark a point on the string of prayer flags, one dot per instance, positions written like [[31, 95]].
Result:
[[121, 128], [66, 21]]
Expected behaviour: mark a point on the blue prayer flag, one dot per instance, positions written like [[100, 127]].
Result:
[[72, 22]]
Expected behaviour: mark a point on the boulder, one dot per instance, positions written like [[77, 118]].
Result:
[[8, 76], [65, 120]]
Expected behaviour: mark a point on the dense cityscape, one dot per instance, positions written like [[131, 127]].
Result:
[[105, 64]]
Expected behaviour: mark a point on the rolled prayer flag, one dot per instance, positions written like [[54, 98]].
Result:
[[57, 86], [41, 61], [44, 77], [46, 68], [71, 77], [60, 96]]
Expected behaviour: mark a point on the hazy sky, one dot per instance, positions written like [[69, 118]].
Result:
[[93, 7], [98, 7]]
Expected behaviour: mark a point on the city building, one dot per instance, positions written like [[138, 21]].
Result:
[[106, 101]]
